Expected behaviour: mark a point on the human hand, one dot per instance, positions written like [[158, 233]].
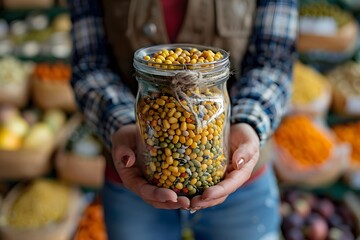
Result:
[[123, 152], [245, 148]]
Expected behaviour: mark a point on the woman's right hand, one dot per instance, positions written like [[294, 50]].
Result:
[[123, 153]]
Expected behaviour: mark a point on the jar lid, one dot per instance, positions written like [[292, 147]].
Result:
[[142, 65]]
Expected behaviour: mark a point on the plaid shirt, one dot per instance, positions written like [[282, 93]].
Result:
[[259, 97]]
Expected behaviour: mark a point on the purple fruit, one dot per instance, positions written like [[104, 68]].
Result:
[[347, 230], [345, 213], [294, 234], [293, 220], [335, 220], [316, 227], [290, 196], [325, 208], [310, 198]]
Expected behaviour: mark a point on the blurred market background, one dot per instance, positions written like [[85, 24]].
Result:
[[51, 164]]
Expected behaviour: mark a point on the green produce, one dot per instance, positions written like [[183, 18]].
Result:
[[55, 118], [38, 135], [318, 10], [12, 71]]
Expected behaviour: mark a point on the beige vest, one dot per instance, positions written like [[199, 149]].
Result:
[[132, 24]]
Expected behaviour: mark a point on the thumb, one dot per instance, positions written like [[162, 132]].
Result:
[[243, 154], [123, 155]]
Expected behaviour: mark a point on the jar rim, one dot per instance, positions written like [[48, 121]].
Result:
[[211, 67]]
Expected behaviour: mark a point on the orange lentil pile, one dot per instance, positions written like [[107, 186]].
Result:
[[168, 59], [53, 72], [92, 226], [303, 141], [350, 133]]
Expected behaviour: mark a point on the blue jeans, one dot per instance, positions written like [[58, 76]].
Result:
[[250, 213]]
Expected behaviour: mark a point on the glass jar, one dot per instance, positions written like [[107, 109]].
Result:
[[182, 113]]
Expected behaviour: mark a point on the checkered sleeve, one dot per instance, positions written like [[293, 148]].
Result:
[[261, 95], [107, 104]]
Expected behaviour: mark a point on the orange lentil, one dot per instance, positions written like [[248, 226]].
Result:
[[350, 133], [92, 224], [303, 141]]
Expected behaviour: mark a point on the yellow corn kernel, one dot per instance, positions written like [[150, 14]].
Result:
[[175, 125], [189, 142], [168, 152], [183, 126], [173, 119], [182, 139], [179, 186], [145, 109], [193, 156], [173, 169], [166, 124], [152, 166], [193, 181], [191, 133], [160, 101], [182, 169], [166, 172], [169, 160], [197, 137], [172, 178], [175, 139]]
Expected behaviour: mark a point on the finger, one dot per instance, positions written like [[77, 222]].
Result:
[[153, 193], [133, 179], [243, 154], [182, 202], [198, 203], [231, 183]]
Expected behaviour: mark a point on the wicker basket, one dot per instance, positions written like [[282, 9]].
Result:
[[58, 231], [317, 108], [22, 4], [343, 41], [345, 105], [51, 94], [328, 173], [80, 170], [26, 164]]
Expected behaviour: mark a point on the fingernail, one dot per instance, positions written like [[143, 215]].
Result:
[[240, 163], [125, 160], [170, 201], [194, 209]]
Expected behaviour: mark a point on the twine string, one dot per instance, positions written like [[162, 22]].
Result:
[[187, 81]]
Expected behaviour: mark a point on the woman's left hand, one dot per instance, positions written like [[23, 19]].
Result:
[[244, 143]]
